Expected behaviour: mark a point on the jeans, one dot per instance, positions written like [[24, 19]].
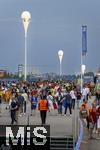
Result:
[[68, 106], [73, 103], [60, 108], [78, 103]]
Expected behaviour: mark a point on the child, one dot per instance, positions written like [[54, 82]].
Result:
[[83, 112]]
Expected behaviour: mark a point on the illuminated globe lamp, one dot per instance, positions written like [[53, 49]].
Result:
[[60, 55], [83, 69], [26, 17]]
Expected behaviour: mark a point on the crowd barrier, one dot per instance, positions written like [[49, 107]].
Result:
[[80, 138]]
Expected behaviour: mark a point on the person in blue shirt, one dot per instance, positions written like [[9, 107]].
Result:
[[33, 104]]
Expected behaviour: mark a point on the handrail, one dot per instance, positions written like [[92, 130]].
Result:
[[80, 138]]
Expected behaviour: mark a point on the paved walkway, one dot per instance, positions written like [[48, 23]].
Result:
[[59, 125], [87, 144]]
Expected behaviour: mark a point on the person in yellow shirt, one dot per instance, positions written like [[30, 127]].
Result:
[[1, 94], [7, 96], [0, 103]]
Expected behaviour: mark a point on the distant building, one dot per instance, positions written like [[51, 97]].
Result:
[[20, 70], [98, 72], [3, 73]]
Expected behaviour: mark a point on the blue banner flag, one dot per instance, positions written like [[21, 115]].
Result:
[[84, 40]]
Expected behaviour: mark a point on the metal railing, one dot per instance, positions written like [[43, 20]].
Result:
[[80, 138]]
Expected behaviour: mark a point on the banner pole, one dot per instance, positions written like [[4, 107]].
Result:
[[81, 73]]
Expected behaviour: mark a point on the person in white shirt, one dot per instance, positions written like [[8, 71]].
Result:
[[50, 101], [85, 93], [72, 93], [24, 94]]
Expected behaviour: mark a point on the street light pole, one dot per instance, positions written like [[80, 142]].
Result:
[[25, 16], [83, 71], [60, 55]]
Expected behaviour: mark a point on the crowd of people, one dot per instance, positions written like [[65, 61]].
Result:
[[47, 96], [91, 115], [42, 95]]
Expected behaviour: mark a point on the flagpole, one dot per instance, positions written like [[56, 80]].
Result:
[[82, 63], [81, 72], [83, 51]]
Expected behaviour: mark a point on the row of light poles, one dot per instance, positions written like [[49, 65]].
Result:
[[26, 17]]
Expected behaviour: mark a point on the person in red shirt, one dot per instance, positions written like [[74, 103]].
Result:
[[92, 120], [94, 113], [98, 120]]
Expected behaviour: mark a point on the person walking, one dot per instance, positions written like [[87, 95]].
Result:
[[78, 95], [43, 107], [13, 107], [85, 105], [50, 101], [0, 103], [7, 96], [24, 94], [59, 98], [83, 113], [92, 120], [20, 99], [33, 103], [84, 93], [72, 93], [97, 95], [67, 102], [98, 121]]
